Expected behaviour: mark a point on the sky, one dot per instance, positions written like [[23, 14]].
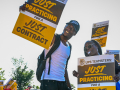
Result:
[[86, 12]]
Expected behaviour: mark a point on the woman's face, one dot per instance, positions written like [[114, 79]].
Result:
[[91, 49]]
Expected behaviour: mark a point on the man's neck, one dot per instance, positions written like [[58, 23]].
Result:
[[64, 39]]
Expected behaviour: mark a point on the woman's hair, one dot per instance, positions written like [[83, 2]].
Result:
[[96, 43]]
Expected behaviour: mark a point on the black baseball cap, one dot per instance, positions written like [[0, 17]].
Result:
[[75, 24]]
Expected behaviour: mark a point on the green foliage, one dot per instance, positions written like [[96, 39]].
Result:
[[2, 74], [20, 73], [33, 86], [37, 87], [73, 87]]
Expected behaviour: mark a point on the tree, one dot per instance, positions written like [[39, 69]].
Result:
[[20, 73], [2, 74]]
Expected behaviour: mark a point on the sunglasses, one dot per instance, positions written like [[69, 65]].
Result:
[[88, 47]]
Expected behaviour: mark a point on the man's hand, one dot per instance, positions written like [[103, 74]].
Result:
[[23, 7]]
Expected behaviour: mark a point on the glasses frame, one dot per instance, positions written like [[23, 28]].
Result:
[[88, 47]]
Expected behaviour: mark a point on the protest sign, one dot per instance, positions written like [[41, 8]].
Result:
[[116, 54], [99, 32], [96, 73], [1, 84], [38, 23], [13, 84]]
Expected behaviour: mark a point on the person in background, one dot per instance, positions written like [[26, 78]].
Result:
[[8, 87], [92, 48], [117, 78], [29, 87]]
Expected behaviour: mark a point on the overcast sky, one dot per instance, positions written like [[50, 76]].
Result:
[[86, 12]]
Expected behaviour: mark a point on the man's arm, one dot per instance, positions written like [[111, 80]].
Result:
[[67, 79]]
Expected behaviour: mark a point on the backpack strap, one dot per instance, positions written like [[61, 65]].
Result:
[[40, 58], [69, 55], [54, 47]]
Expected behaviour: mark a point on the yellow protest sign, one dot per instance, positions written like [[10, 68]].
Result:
[[99, 32], [13, 84], [94, 74], [116, 54], [101, 40], [34, 30], [99, 88], [38, 23], [1, 84]]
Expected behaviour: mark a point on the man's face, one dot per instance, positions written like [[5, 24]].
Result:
[[91, 49], [8, 86], [69, 31]]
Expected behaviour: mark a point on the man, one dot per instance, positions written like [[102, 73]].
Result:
[[58, 76], [56, 80], [29, 87]]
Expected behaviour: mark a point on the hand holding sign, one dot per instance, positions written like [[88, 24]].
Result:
[[39, 20]]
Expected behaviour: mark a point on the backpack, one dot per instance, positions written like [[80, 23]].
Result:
[[42, 61]]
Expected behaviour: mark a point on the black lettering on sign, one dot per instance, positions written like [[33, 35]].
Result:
[[38, 18], [101, 42], [32, 25], [102, 89], [32, 35], [95, 84]]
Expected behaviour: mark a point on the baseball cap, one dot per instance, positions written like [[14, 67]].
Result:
[[75, 24]]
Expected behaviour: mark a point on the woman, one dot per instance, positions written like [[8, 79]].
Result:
[[92, 48]]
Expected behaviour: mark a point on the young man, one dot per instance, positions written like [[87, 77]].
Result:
[[58, 76]]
